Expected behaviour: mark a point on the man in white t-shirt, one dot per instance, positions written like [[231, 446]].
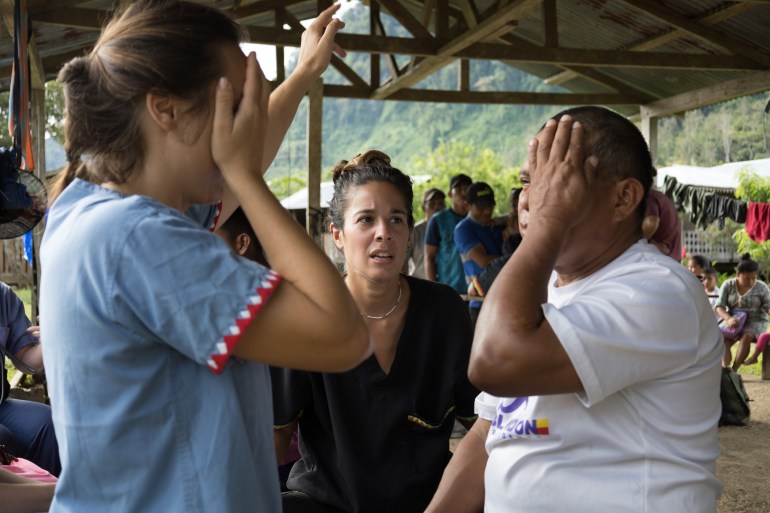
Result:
[[605, 373]]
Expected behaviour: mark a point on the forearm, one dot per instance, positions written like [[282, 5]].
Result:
[[461, 489], [282, 108], [512, 342], [32, 356], [26, 498], [282, 440], [292, 253]]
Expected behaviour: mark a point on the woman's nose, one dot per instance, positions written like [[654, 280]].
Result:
[[383, 231]]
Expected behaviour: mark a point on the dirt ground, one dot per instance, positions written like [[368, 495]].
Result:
[[744, 466]]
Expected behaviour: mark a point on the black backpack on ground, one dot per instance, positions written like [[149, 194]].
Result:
[[735, 400]]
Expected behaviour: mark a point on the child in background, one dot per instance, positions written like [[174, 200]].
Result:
[[710, 285]]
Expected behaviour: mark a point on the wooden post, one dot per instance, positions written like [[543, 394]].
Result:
[[766, 363], [650, 133], [314, 139], [38, 119]]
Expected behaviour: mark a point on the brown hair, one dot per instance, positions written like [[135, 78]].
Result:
[[161, 46], [370, 166]]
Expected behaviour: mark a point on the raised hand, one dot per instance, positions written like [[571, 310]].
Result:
[[237, 141], [561, 177], [318, 43]]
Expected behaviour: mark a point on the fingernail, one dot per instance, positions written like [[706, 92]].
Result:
[[532, 142], [566, 118], [551, 122], [593, 160], [576, 124], [222, 84]]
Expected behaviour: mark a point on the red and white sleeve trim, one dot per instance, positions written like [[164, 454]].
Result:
[[225, 346], [216, 217]]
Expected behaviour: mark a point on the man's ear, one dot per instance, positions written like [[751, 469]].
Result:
[[628, 194], [337, 236], [163, 110]]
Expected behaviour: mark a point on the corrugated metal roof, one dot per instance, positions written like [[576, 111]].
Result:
[[617, 26]]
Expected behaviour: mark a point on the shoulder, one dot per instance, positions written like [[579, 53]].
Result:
[[425, 291]]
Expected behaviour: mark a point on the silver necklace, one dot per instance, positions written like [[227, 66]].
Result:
[[392, 308]]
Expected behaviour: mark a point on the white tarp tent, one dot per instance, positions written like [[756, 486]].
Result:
[[724, 176]]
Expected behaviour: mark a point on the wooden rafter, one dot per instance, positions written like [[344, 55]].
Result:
[[513, 11], [706, 33]]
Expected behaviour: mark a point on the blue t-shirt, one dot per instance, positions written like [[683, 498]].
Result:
[[13, 331], [141, 306], [468, 234], [440, 232]]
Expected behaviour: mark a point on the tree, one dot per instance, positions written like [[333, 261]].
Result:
[[453, 157], [757, 189]]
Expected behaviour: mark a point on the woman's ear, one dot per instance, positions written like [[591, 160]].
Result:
[[163, 110], [337, 236], [629, 192]]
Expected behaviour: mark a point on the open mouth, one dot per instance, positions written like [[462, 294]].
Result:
[[381, 256]]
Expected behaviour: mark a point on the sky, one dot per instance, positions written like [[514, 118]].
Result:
[[266, 53]]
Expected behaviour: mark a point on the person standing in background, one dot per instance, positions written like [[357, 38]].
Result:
[[442, 260], [433, 201], [661, 225]]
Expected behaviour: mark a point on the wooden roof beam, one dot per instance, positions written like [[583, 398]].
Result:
[[751, 84], [484, 97], [338, 64], [405, 18], [83, 19], [514, 11], [710, 18], [607, 58], [672, 17]]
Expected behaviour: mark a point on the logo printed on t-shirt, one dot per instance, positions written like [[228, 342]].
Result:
[[508, 425]]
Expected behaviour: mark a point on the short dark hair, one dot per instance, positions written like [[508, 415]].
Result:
[[700, 260], [710, 271], [619, 145]]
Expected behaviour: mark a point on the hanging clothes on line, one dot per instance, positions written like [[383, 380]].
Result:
[[723, 207], [758, 222], [690, 200]]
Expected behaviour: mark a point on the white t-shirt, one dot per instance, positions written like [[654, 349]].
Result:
[[642, 437]]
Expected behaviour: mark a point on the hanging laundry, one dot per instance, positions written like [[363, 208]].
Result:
[[758, 221], [690, 200], [724, 207]]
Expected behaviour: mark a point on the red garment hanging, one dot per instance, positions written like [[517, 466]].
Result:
[[758, 221]]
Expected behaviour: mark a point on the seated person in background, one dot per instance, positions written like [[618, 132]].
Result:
[[710, 285], [26, 427], [607, 395], [744, 292], [376, 438], [661, 225], [20, 494], [239, 234], [477, 237], [433, 201], [759, 348], [511, 240], [696, 264]]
